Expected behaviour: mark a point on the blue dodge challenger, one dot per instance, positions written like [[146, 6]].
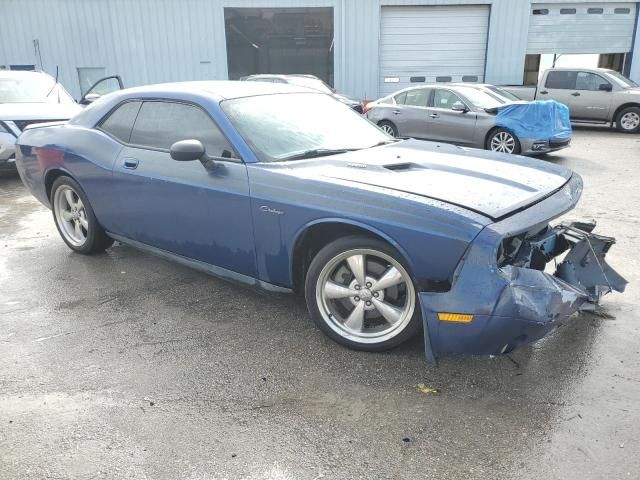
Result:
[[288, 190]]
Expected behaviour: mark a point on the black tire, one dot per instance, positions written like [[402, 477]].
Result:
[[503, 131], [632, 113], [411, 322], [96, 239], [386, 124]]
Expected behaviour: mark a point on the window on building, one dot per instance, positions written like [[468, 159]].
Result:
[[562, 80], [623, 11], [567, 11], [417, 79], [25, 68], [160, 124], [540, 11], [87, 76], [531, 69], [595, 10], [120, 122], [469, 78], [280, 40], [443, 79]]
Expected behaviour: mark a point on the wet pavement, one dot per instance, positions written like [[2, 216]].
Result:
[[123, 365]]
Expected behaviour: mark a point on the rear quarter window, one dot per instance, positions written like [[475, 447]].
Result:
[[119, 123], [562, 80]]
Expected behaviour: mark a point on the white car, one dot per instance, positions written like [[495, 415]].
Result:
[[36, 97]]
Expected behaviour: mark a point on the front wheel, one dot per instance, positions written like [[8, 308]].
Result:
[[74, 217], [502, 140], [360, 294], [628, 120]]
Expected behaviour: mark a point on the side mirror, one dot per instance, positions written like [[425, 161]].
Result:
[[187, 150], [459, 107], [605, 87], [90, 98]]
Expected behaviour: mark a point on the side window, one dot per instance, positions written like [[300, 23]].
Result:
[[589, 81], [562, 80], [444, 98], [400, 99], [417, 98], [161, 124], [120, 122]]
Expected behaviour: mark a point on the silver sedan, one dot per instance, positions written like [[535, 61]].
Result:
[[463, 114]]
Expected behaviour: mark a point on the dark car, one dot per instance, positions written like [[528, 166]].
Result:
[[383, 236], [308, 81]]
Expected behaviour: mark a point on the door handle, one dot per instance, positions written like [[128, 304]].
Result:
[[434, 115], [130, 163], [543, 92], [575, 94], [396, 112]]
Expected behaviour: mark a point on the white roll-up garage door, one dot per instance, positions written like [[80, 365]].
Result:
[[432, 43], [581, 27]]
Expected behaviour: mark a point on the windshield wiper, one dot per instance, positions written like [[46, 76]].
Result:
[[386, 142], [318, 152]]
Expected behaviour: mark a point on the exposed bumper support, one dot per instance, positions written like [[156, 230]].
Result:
[[519, 303]]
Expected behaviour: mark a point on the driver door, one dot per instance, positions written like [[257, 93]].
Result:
[[448, 125], [182, 207]]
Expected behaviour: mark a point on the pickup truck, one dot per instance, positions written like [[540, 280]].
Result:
[[593, 95]]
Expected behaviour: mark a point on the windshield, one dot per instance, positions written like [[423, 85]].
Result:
[[283, 126], [481, 98], [313, 83], [34, 88], [622, 80], [503, 93]]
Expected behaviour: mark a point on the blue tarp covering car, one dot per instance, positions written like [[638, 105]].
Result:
[[546, 119]]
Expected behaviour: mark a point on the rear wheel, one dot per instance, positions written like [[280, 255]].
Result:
[[628, 120], [360, 293], [502, 140], [388, 128], [75, 219]]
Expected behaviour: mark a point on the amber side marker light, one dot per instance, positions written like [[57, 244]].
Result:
[[455, 317]]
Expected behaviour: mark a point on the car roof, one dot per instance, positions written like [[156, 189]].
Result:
[[451, 85], [582, 69], [282, 76], [23, 74], [218, 89]]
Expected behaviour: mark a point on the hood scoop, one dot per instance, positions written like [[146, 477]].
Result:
[[404, 166]]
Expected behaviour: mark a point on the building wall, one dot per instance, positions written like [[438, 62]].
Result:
[[186, 39]]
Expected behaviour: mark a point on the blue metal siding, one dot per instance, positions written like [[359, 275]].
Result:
[[151, 41]]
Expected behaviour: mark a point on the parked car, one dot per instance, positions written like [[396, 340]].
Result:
[[381, 235], [308, 81], [463, 114], [594, 95], [28, 98]]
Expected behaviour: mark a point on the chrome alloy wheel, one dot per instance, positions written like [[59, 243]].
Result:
[[365, 295], [630, 120], [388, 129], [503, 142], [71, 215]]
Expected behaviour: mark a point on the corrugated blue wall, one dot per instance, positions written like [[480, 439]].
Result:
[[148, 41]]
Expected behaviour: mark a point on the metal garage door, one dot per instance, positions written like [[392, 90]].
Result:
[[430, 42], [581, 27]]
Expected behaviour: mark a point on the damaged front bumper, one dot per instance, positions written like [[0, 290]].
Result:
[[503, 291]]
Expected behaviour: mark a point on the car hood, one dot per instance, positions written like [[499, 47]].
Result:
[[494, 185], [38, 111]]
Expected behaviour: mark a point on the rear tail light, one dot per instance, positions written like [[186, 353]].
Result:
[[366, 106]]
